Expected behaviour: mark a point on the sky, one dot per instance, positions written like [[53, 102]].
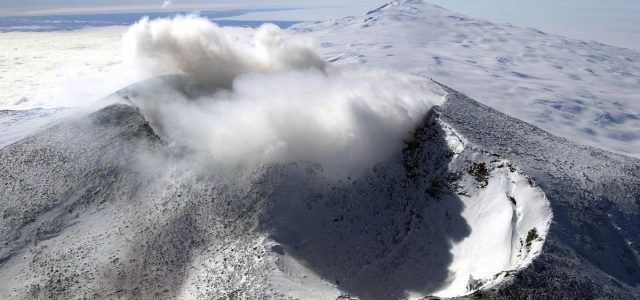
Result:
[[76, 6], [614, 22]]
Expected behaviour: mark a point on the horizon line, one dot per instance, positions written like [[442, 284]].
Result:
[[89, 10]]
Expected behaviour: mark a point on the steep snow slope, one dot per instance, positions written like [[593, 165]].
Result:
[[443, 217], [508, 215], [583, 91], [15, 125], [100, 207], [593, 246]]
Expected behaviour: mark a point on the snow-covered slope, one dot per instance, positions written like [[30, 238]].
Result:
[[592, 248], [100, 206], [584, 91], [15, 125], [443, 217], [469, 202]]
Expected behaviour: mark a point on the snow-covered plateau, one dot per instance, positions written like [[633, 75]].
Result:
[[584, 91], [251, 165]]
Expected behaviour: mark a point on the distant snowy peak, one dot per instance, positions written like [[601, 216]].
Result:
[[394, 4], [401, 3], [584, 91], [408, 6], [419, 10]]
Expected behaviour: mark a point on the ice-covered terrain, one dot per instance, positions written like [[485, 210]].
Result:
[[439, 217], [53, 69], [71, 60], [15, 125], [248, 167], [591, 250], [584, 91], [464, 206]]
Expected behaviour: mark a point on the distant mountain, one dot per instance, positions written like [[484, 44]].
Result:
[[584, 91]]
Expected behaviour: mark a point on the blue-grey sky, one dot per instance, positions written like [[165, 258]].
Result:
[[78, 6], [615, 22], [322, 9]]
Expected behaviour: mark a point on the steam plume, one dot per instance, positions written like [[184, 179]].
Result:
[[270, 98]]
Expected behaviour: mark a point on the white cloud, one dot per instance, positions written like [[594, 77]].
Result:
[[213, 55], [266, 96]]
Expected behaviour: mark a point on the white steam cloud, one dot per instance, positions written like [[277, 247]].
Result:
[[270, 98], [213, 55]]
